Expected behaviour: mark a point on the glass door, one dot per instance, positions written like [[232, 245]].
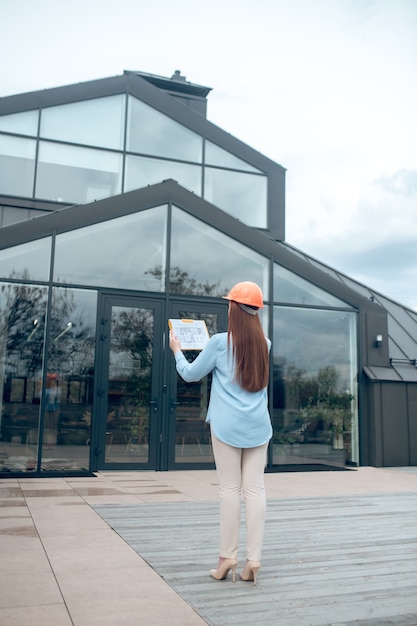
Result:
[[189, 435], [128, 407]]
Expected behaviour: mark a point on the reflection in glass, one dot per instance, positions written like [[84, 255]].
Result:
[[206, 262], [29, 261], [315, 387], [25, 123], [22, 328], [130, 385], [142, 171], [193, 443], [243, 196], [117, 253], [264, 319], [214, 155], [291, 288], [69, 382], [98, 122], [152, 132], [17, 165], [77, 175]]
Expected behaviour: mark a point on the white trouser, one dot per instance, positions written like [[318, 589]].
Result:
[[240, 472]]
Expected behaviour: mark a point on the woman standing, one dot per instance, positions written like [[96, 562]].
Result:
[[239, 422]]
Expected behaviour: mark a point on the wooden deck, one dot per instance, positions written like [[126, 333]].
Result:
[[340, 561]]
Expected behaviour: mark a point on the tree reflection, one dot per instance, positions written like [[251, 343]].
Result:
[[311, 408], [22, 331], [22, 323], [71, 336], [70, 358], [132, 335], [180, 281], [130, 373]]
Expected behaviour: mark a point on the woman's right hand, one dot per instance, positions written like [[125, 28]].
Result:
[[174, 342]]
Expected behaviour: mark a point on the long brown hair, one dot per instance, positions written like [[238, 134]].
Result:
[[250, 349]]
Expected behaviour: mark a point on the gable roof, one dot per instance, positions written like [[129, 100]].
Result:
[[142, 88], [136, 85]]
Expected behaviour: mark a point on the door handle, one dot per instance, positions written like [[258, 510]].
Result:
[[173, 405], [154, 405]]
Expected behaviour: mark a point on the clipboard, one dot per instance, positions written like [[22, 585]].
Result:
[[193, 334]]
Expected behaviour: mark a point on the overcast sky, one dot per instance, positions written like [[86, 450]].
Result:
[[326, 88]]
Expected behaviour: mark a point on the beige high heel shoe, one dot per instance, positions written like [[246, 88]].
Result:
[[225, 565], [250, 571]]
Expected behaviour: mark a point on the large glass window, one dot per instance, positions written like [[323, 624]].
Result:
[[77, 175], [163, 147], [28, 261], [152, 132], [315, 387], [291, 288], [98, 122], [214, 155], [130, 403], [25, 123], [243, 196], [142, 171], [17, 165], [68, 394], [206, 262], [121, 253], [22, 329]]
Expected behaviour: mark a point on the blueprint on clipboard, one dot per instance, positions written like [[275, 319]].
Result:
[[193, 334]]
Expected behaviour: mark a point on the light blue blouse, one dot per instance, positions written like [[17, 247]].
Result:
[[238, 417]]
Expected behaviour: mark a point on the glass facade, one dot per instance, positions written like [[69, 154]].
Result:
[[46, 403], [22, 335], [242, 195], [28, 261], [120, 253], [98, 122], [315, 396], [69, 380], [291, 288], [83, 313], [17, 165], [77, 175], [129, 396], [214, 155], [152, 132], [22, 123], [143, 171], [98, 148], [49, 366], [200, 254]]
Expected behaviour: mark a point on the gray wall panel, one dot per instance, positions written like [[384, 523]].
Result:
[[412, 421], [395, 424]]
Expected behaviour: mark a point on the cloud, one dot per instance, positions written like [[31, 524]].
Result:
[[373, 237], [403, 182]]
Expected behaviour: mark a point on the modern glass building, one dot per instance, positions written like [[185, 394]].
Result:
[[122, 206]]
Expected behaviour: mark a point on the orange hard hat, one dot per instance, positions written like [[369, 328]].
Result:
[[246, 293]]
